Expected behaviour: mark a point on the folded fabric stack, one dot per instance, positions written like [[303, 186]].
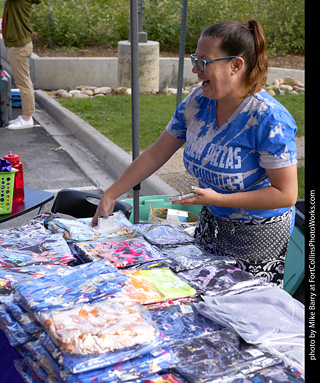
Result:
[[141, 303]]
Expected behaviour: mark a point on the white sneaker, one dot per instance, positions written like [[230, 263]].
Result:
[[19, 123], [12, 121]]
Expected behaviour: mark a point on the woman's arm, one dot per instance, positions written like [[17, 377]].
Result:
[[144, 166], [282, 193]]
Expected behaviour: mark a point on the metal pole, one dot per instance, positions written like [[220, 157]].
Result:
[[182, 49], [135, 97]]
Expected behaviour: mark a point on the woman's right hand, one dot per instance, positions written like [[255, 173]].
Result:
[[105, 208]]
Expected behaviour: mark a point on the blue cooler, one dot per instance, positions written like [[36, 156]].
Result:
[[15, 98]]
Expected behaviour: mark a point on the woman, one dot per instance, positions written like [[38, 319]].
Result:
[[239, 144]]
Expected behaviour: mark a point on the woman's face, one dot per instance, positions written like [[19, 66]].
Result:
[[218, 78]]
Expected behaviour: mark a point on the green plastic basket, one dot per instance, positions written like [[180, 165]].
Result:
[[6, 191], [158, 201]]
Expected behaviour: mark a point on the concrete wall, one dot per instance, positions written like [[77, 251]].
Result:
[[67, 72]]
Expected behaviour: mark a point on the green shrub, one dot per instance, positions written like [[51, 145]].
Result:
[[69, 23]]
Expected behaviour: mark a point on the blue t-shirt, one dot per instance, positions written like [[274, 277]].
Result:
[[233, 157]]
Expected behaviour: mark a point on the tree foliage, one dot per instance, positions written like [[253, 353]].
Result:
[[71, 23]]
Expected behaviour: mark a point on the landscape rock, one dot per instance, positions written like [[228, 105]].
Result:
[[291, 81], [289, 88], [88, 92], [66, 95], [80, 95], [85, 87], [278, 87], [119, 90]]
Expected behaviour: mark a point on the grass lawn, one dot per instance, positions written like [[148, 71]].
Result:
[[111, 116]]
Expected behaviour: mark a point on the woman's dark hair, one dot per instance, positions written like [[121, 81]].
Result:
[[248, 41]]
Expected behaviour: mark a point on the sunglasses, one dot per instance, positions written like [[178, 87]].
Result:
[[201, 64]]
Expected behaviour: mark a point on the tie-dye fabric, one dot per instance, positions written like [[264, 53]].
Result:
[[86, 283], [233, 157], [127, 253]]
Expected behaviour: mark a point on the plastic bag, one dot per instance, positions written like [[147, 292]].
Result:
[[43, 358], [135, 369], [25, 319], [155, 285], [164, 235], [220, 277], [165, 378], [79, 229], [11, 276], [267, 316], [14, 332], [26, 235], [126, 253], [274, 374], [221, 354], [99, 327], [181, 321], [32, 244], [84, 283], [188, 257], [24, 370], [77, 364]]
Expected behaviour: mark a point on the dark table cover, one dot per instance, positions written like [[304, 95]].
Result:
[[8, 372]]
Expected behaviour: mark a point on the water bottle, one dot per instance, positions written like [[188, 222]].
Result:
[[18, 190]]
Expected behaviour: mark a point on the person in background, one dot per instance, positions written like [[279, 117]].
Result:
[[17, 39], [240, 145]]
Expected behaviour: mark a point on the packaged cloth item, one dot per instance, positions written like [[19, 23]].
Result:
[[99, 327], [11, 276], [188, 257], [26, 235], [122, 253], [79, 229], [24, 370], [39, 372], [166, 235], [76, 364], [14, 332], [165, 378], [282, 329], [32, 244], [84, 283], [221, 354], [134, 369], [181, 321], [274, 374], [43, 358], [220, 277], [25, 318], [155, 285]]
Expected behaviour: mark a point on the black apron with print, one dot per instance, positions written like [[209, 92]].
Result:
[[259, 246]]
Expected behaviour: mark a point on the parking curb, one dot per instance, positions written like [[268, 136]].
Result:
[[115, 158]]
